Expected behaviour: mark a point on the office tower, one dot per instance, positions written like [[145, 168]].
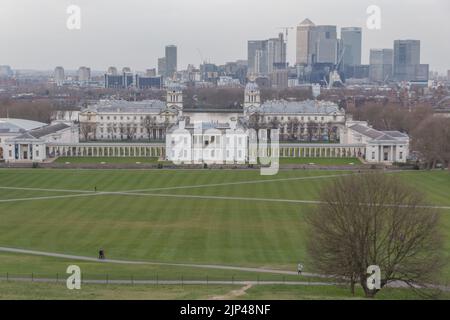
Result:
[[171, 60], [59, 76], [276, 53], [5, 72], [257, 57], [162, 66], [304, 48], [279, 78], [407, 65], [148, 82], [112, 71], [326, 44], [351, 40], [84, 74], [150, 72], [381, 65]]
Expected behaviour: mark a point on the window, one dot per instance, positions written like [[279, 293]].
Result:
[[373, 155], [401, 155]]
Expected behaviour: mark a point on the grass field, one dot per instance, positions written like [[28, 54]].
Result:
[[112, 160], [222, 217], [321, 161]]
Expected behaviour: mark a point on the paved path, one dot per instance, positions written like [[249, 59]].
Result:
[[190, 265], [395, 284], [176, 282]]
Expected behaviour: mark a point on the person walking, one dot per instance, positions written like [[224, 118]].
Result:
[[299, 268]]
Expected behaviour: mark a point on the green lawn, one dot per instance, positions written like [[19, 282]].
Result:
[[108, 160], [54, 291], [188, 224], [321, 161]]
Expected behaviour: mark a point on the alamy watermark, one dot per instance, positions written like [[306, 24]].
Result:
[[374, 19], [374, 280], [74, 20], [74, 280]]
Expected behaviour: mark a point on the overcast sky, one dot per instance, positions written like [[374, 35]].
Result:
[[33, 33]]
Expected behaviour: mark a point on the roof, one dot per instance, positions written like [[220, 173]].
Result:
[[306, 23], [251, 86], [42, 132], [121, 106], [299, 107], [12, 125], [379, 135]]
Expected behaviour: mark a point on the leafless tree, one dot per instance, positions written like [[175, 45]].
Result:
[[375, 219], [431, 138], [88, 130], [149, 124]]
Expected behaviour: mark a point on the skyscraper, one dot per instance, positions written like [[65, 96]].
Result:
[[59, 76], [257, 57], [351, 38], [326, 44], [407, 65], [276, 53], [316, 44], [304, 48], [84, 75], [162, 66], [381, 64], [5, 72], [171, 60]]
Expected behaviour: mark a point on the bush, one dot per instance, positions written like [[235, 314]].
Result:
[[160, 165]]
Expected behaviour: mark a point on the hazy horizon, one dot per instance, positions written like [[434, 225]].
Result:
[[134, 33]]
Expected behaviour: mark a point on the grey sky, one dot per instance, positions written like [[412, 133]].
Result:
[[133, 33]]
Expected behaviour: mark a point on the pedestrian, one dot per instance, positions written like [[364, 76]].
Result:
[[95, 188], [299, 268], [101, 254]]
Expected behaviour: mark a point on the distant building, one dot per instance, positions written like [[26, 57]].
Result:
[[257, 57], [148, 82], [6, 72], [84, 75], [171, 60], [351, 39], [119, 81], [305, 48], [150, 72], [276, 53], [266, 55], [112, 71], [59, 76], [279, 78], [448, 75], [407, 65], [162, 66], [381, 65], [325, 39]]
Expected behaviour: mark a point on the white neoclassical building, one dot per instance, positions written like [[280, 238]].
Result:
[[33, 145], [381, 146], [116, 128]]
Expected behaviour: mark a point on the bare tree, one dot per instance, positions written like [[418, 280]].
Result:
[[149, 124], [87, 130], [375, 219], [431, 138]]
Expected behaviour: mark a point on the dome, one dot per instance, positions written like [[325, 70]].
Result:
[[251, 86]]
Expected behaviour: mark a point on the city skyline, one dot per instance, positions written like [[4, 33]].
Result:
[[208, 39]]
